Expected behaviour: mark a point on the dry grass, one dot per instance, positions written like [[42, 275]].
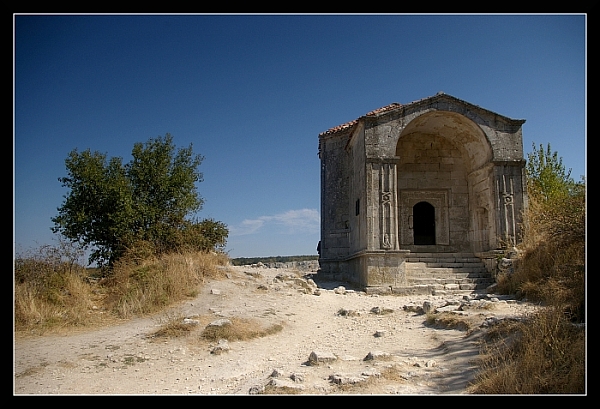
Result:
[[147, 286], [172, 326], [51, 295], [240, 329], [545, 355], [448, 320]]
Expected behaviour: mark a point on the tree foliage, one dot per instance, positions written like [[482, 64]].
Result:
[[556, 200], [547, 177], [112, 206]]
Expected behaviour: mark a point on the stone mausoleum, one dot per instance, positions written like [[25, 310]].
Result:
[[438, 177]]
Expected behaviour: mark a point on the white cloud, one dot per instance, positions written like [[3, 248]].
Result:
[[292, 221]]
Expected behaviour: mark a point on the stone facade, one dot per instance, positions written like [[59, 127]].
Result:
[[438, 175]]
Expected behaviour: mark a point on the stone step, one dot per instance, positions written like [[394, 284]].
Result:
[[440, 254], [445, 263], [445, 270], [437, 290], [430, 281], [438, 273]]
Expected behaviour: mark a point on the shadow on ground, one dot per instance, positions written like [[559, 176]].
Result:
[[330, 285]]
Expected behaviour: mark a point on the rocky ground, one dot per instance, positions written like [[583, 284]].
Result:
[[333, 341]]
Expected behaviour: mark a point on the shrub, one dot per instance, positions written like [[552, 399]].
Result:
[[142, 286], [50, 291]]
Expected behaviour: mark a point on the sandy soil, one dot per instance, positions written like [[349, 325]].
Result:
[[409, 356]]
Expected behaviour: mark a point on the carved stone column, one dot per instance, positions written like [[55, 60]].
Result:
[[506, 207], [385, 200]]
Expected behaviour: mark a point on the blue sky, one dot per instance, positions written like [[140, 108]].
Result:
[[251, 93]]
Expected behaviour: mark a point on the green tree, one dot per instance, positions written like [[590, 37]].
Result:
[[547, 176], [557, 201], [111, 206]]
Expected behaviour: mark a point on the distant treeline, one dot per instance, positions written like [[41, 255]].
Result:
[[242, 261]]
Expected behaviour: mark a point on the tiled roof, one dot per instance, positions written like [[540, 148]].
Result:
[[350, 124], [340, 127], [386, 108], [395, 105]]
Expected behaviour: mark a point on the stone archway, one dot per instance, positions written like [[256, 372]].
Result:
[[439, 158], [424, 223], [438, 200]]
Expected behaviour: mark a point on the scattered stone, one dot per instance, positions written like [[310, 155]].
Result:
[[285, 384], [430, 364], [380, 311], [256, 389], [448, 308], [222, 346], [276, 374], [413, 308], [254, 274], [297, 377], [490, 322], [321, 357], [300, 282], [347, 313], [219, 323], [189, 321], [371, 372], [346, 379], [377, 355], [505, 266], [340, 290], [380, 333]]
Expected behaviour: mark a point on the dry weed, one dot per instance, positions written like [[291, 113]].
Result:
[[448, 320], [51, 295], [545, 354], [53, 301], [173, 326], [240, 329], [144, 287]]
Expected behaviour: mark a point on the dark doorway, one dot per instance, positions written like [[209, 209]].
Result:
[[424, 223]]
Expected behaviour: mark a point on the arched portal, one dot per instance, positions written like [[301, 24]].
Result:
[[424, 223], [441, 170]]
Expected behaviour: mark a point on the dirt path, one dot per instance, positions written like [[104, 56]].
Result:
[[409, 357]]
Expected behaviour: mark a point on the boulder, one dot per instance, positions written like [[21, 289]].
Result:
[[321, 357]]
